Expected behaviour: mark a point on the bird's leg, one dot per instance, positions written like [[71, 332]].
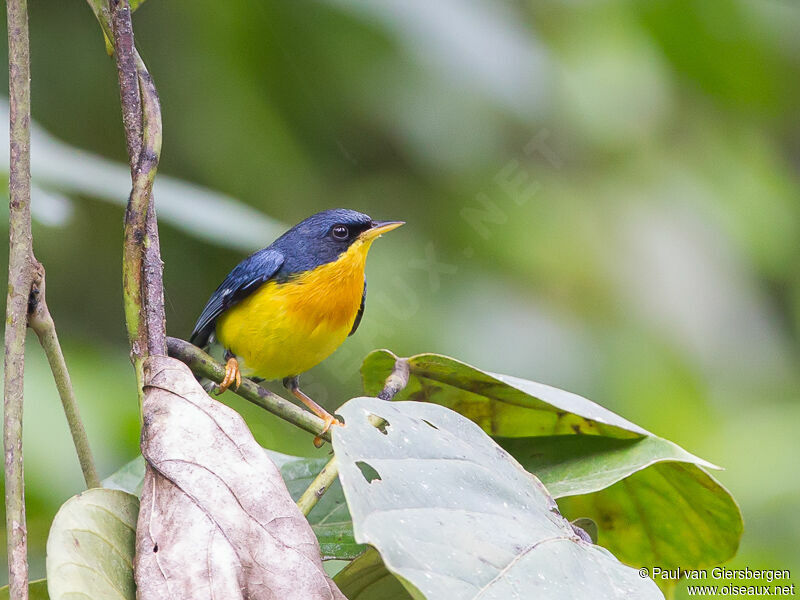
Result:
[[291, 384], [232, 374]]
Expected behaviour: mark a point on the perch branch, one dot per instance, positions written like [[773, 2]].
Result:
[[319, 486], [42, 324], [21, 264], [202, 365]]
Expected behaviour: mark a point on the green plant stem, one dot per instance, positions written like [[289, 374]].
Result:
[[203, 365], [42, 324], [319, 486], [21, 264]]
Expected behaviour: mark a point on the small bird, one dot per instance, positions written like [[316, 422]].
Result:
[[287, 307]]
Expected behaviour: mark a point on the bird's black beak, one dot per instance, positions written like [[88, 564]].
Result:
[[378, 228]]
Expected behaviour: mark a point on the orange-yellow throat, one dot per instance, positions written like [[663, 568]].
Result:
[[284, 329]]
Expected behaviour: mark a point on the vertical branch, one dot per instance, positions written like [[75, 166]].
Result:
[[125, 53], [42, 324], [148, 166], [20, 276], [142, 267]]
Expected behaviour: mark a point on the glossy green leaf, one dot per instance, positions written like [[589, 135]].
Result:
[[329, 519], [502, 405], [37, 590], [367, 578], [671, 514], [453, 515], [91, 544], [578, 448]]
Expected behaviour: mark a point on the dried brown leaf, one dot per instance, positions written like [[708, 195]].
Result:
[[216, 519]]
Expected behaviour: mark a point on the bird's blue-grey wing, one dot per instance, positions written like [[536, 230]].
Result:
[[245, 278]]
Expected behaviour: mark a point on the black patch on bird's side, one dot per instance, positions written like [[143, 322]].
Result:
[[306, 246], [360, 313]]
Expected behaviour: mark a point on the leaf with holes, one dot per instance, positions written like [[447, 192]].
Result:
[[604, 463], [90, 547], [453, 515]]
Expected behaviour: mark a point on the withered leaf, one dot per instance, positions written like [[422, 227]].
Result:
[[216, 519]]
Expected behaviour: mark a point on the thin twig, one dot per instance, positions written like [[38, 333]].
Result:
[[203, 365], [397, 380], [42, 324], [21, 263], [319, 486]]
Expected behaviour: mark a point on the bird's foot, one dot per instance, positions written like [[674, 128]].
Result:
[[317, 410], [329, 420], [233, 377]]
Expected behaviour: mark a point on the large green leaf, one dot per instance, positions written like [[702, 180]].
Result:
[[91, 546], [580, 449], [669, 515], [455, 516], [329, 519], [653, 505], [37, 590], [502, 405], [579, 464]]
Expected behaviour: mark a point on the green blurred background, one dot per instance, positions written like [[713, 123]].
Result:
[[600, 195]]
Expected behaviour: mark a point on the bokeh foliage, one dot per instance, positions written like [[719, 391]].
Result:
[[600, 195]]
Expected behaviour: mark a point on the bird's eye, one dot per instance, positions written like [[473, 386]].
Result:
[[340, 232]]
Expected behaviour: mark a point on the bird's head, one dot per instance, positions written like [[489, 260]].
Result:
[[325, 236]]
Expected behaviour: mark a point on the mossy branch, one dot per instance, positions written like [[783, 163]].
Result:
[[141, 116]]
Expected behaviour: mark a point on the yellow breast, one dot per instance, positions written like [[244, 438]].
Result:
[[284, 329]]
